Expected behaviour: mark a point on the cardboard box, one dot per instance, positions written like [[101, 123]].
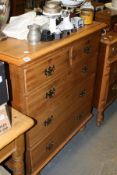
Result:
[[5, 123]]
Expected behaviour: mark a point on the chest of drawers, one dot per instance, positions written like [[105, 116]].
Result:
[[55, 88], [106, 79]]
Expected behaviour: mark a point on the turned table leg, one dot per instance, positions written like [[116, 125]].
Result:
[[18, 156]]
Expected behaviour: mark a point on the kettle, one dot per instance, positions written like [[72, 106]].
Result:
[[34, 34]]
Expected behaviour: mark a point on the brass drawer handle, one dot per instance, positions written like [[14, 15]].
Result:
[[85, 69], [87, 49], [79, 116], [49, 146], [51, 93], [49, 71], [48, 121], [83, 93]]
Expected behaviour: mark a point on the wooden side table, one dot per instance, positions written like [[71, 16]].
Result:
[[106, 79], [12, 142]]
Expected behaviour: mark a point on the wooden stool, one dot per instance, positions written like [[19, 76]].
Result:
[[12, 142]]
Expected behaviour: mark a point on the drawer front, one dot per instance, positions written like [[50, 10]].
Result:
[[48, 94], [46, 69], [84, 89], [41, 152], [84, 69], [85, 48], [49, 118]]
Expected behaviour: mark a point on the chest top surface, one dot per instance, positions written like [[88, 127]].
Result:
[[16, 51]]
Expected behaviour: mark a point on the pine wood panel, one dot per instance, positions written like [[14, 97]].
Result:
[[47, 69], [56, 112], [106, 79], [13, 51], [50, 144], [69, 108]]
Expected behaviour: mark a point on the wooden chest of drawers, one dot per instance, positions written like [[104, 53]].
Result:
[[55, 88], [107, 16], [106, 80]]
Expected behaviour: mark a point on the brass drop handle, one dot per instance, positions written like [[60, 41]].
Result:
[[85, 69], [48, 121], [49, 71], [87, 49], [49, 146], [79, 116], [51, 93], [82, 93]]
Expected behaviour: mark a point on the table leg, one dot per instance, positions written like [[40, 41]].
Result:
[[18, 156]]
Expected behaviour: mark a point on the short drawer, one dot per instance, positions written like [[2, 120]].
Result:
[[85, 48], [40, 153], [46, 69]]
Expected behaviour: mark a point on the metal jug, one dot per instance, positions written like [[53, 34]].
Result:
[[34, 34]]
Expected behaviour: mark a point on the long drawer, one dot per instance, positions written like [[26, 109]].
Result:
[[48, 94], [41, 152], [46, 69]]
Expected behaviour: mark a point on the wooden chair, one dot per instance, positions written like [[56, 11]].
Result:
[[13, 143]]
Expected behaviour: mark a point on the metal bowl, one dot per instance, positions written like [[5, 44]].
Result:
[[52, 7]]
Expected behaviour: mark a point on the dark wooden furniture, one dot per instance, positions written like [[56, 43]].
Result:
[[17, 7], [106, 80], [107, 16], [53, 82], [12, 142]]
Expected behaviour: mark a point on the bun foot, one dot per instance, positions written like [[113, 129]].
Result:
[[100, 118], [82, 128]]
